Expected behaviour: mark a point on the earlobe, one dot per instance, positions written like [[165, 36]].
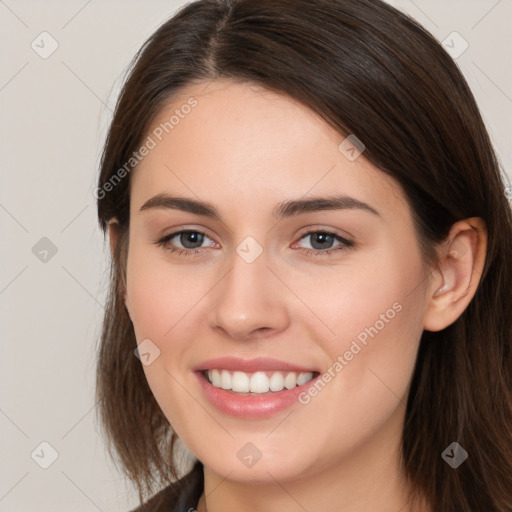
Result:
[[461, 263]]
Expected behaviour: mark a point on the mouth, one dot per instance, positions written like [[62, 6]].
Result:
[[253, 388], [258, 382]]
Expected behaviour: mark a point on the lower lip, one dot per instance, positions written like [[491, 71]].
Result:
[[251, 406]]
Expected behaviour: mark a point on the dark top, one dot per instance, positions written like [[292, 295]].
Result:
[[182, 496]]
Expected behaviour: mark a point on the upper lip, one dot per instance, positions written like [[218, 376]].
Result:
[[250, 365]]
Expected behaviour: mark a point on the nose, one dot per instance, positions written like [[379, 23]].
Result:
[[250, 301]]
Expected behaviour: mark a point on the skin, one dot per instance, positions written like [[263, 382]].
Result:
[[244, 150]]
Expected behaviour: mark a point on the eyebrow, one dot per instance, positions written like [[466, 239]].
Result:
[[283, 209]]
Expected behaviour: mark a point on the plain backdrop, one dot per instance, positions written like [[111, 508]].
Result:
[[54, 113]]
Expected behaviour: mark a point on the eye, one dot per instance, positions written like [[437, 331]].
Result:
[[190, 240], [321, 243]]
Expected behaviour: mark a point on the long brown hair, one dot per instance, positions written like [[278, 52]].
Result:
[[371, 71]]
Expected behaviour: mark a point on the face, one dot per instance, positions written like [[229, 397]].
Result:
[[333, 290]]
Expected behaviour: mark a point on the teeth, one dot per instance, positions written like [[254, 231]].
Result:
[[303, 378], [276, 382], [258, 382], [290, 381], [225, 380], [240, 382]]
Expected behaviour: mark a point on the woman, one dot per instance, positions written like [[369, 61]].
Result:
[[310, 267]]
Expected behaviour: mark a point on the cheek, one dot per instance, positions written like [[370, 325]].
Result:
[[160, 299], [375, 315], [371, 358], [159, 294], [373, 294]]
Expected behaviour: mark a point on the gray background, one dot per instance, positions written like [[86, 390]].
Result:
[[54, 114]]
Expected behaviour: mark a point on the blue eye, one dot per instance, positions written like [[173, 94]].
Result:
[[189, 238]]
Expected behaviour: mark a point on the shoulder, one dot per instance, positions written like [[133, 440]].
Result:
[[179, 496]]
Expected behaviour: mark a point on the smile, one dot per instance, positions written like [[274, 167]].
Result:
[[259, 382]]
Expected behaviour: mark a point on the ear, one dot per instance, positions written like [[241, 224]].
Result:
[[113, 234], [462, 259]]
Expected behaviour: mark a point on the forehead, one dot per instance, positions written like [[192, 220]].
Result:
[[224, 139]]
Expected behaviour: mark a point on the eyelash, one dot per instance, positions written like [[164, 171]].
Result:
[[164, 242]]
